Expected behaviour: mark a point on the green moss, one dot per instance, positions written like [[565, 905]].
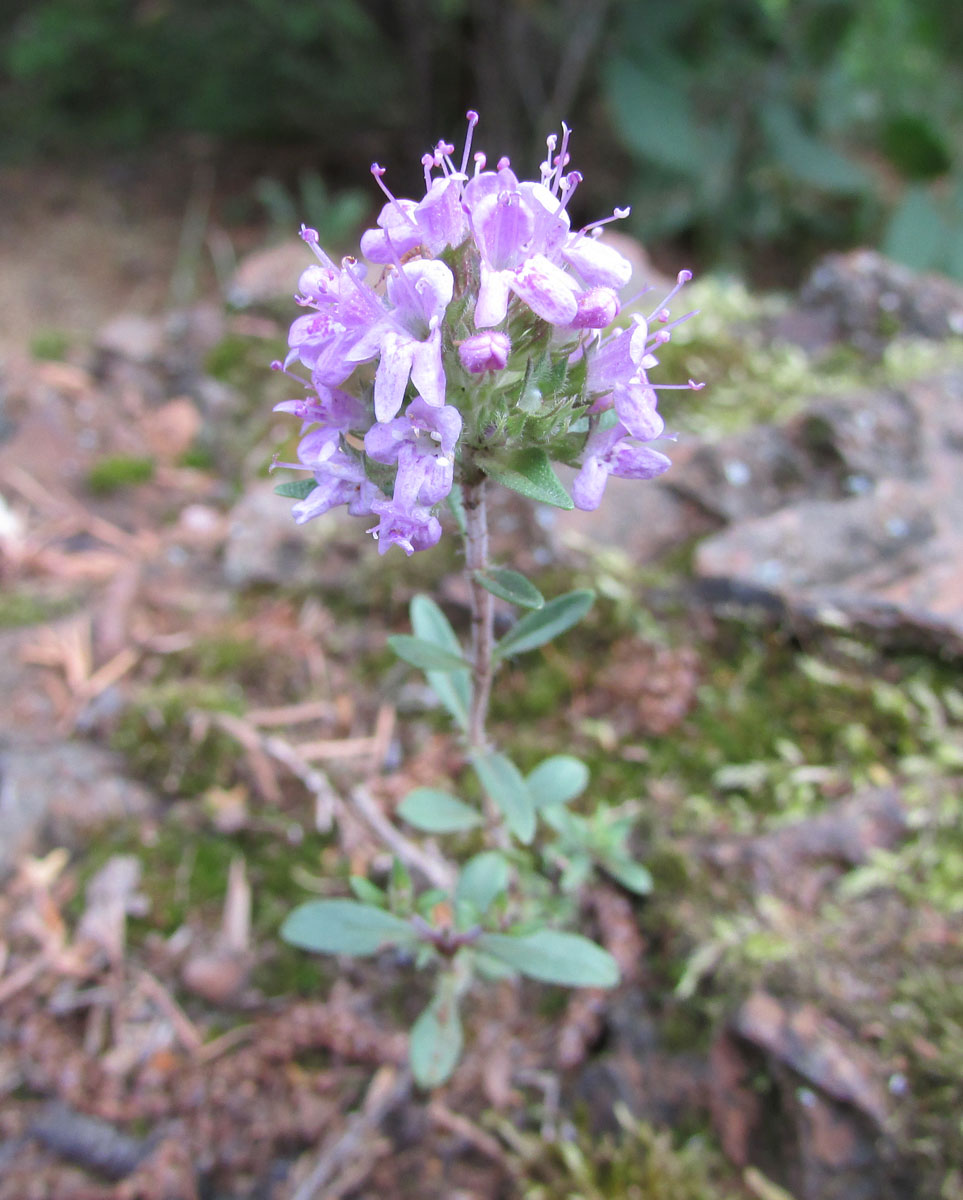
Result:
[[752, 378], [198, 458], [119, 471], [185, 877], [166, 747], [24, 607], [50, 345], [238, 361], [636, 1163]]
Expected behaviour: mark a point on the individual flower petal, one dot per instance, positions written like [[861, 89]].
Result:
[[598, 264], [546, 289], [397, 235], [494, 291], [440, 216], [427, 369], [503, 226], [597, 308], [635, 404], [391, 377]]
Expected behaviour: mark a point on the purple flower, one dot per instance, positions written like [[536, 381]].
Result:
[[407, 335], [340, 479], [485, 352], [479, 247], [411, 529], [609, 452], [422, 443]]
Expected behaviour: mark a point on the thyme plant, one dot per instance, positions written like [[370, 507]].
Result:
[[498, 349]]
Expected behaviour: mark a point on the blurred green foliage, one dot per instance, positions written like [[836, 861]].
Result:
[[755, 131]]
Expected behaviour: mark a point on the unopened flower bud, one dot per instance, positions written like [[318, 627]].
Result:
[[484, 352]]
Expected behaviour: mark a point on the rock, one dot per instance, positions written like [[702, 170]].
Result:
[[134, 338], [865, 299], [55, 793], [269, 274], [171, 429], [798, 861], [884, 554], [265, 546], [643, 519], [821, 1129]]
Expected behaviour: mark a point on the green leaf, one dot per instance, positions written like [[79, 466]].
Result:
[[810, 159], [529, 473], [506, 786], [453, 689], [345, 927], [425, 655], [554, 957], [436, 1037], [631, 875], [481, 879], [917, 233], [296, 489], [511, 586], [434, 811], [673, 140], [368, 892], [537, 628], [457, 506], [491, 969], [557, 780]]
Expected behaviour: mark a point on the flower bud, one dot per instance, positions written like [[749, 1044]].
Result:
[[484, 352]]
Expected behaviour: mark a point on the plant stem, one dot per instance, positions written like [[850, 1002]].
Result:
[[482, 610]]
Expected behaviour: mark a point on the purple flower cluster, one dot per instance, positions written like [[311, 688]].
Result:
[[415, 376]]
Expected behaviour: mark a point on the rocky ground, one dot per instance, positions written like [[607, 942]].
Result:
[[769, 687]]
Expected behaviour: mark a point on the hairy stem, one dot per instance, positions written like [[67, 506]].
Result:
[[482, 611]]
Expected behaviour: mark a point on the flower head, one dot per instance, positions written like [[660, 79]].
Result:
[[410, 388]]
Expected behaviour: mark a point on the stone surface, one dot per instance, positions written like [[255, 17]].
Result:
[[820, 1130], [883, 551], [264, 546], [864, 298], [57, 793]]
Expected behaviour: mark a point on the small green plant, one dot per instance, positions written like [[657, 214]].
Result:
[[498, 354]]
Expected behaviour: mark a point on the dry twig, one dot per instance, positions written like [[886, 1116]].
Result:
[[389, 1088]]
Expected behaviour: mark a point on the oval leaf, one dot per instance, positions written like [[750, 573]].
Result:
[[554, 957], [537, 628], [453, 689], [435, 811], [436, 1038], [345, 927], [426, 655], [557, 780], [296, 489], [481, 879], [631, 875], [505, 784], [511, 586], [529, 473]]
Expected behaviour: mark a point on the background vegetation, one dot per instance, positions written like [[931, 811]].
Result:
[[755, 132]]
